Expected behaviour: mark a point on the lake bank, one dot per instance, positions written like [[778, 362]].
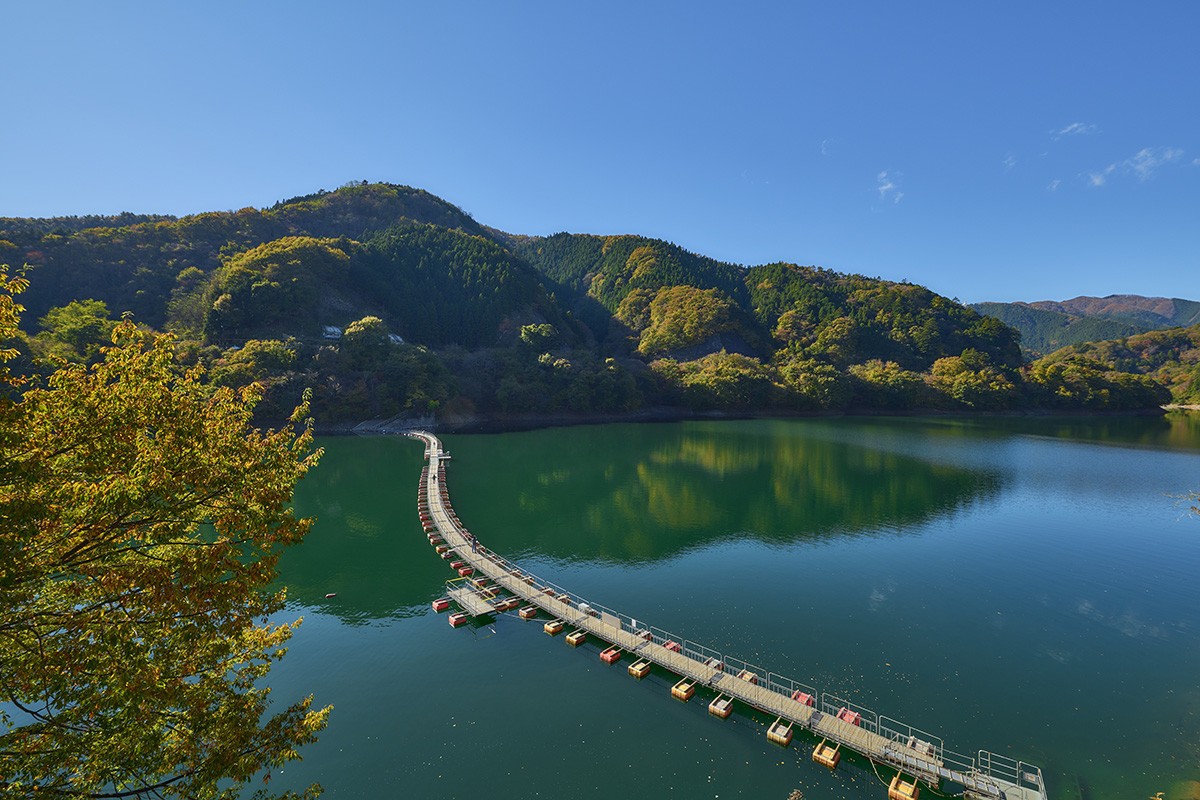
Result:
[[512, 423]]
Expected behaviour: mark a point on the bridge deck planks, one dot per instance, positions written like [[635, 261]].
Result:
[[471, 601]]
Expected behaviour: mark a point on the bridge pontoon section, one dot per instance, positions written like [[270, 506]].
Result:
[[984, 776]]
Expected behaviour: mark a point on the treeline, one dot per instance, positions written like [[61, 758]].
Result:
[[1170, 358], [386, 300]]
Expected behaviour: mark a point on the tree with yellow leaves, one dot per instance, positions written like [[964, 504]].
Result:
[[141, 519]]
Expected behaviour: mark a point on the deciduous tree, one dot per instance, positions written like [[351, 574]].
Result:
[[82, 325], [141, 518]]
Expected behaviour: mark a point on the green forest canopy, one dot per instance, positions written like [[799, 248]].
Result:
[[484, 322]]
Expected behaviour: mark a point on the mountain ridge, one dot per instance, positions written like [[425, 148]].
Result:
[[1172, 312], [1047, 325], [387, 299]]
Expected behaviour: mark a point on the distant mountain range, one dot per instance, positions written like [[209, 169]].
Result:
[[1048, 325]]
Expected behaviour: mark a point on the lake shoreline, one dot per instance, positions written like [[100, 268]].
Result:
[[512, 423]]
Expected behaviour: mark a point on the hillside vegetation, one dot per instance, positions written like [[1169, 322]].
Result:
[[387, 300], [1170, 357], [132, 262]]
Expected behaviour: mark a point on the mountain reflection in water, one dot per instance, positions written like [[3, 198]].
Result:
[[636, 493], [616, 493], [640, 494]]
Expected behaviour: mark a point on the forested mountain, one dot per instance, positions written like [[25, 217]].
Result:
[[1171, 357], [618, 277], [895, 321], [385, 300], [132, 262], [433, 285], [1047, 325]]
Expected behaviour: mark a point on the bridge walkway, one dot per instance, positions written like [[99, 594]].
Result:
[[988, 777]]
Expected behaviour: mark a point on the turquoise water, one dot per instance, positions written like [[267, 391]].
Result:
[[1026, 587]]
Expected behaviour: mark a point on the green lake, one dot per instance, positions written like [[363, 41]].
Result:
[[1025, 586]]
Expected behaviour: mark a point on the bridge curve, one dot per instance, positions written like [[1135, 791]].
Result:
[[985, 776]]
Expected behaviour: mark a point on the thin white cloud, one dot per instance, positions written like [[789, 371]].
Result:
[[1009, 161], [1076, 129], [1148, 159], [1196, 162], [824, 147], [1053, 185], [1098, 179], [888, 184], [1142, 164]]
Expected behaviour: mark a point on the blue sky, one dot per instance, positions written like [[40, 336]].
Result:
[[1003, 151]]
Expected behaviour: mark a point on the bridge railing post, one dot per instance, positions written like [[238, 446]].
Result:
[[736, 666], [929, 745], [1018, 773], [960, 762], [1031, 779], [704, 655], [831, 704], [659, 636], [788, 687]]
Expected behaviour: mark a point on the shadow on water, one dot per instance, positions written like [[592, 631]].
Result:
[[366, 547]]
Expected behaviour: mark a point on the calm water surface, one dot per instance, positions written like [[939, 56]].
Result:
[[1026, 587]]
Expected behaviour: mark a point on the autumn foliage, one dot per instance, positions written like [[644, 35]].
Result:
[[142, 521]]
